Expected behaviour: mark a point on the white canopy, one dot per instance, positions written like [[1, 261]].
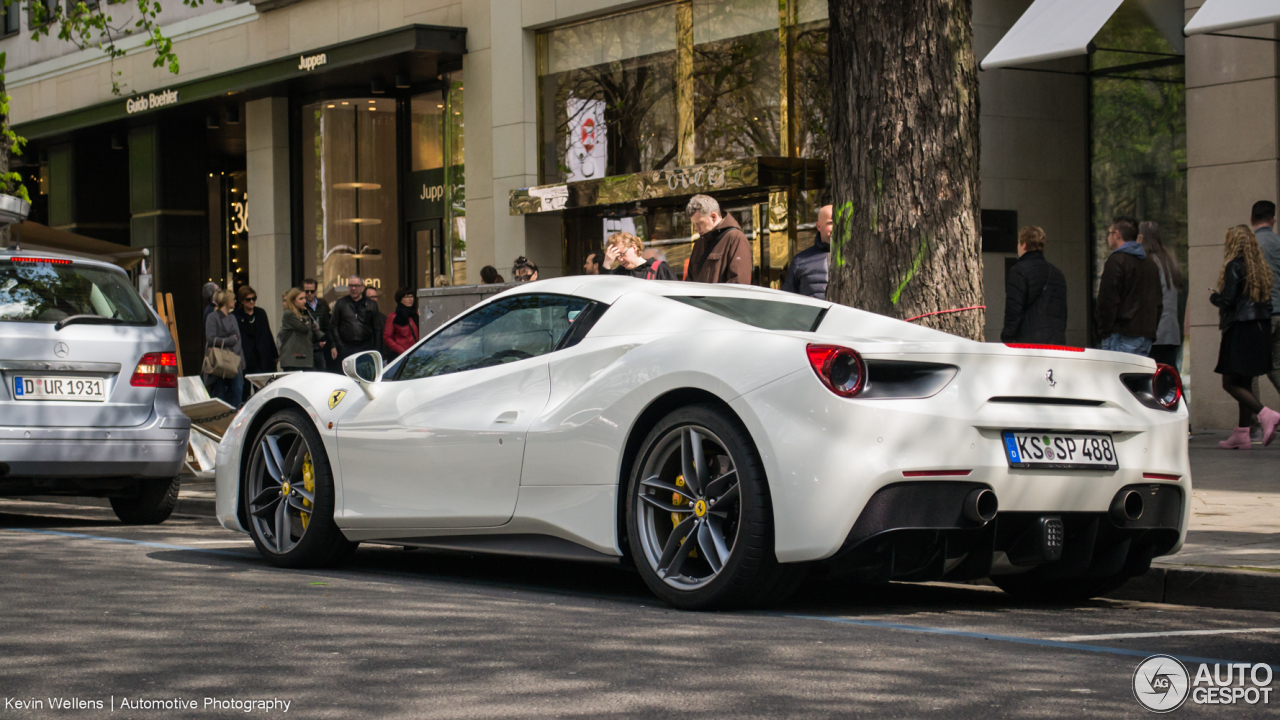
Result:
[[1219, 15], [1051, 29]]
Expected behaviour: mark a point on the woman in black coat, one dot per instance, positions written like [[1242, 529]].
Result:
[[1243, 299], [259, 345]]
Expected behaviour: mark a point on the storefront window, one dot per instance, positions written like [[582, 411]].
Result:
[[456, 222], [1139, 131], [736, 66], [349, 206], [606, 93]]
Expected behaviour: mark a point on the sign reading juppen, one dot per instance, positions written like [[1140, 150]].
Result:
[[311, 62], [151, 101]]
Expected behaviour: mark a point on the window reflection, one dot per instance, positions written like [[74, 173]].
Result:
[[737, 93], [349, 205], [607, 96]]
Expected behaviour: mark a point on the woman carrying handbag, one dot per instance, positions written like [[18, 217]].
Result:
[[299, 333], [1243, 298], [223, 357]]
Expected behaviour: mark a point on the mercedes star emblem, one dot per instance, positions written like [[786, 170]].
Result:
[[1049, 376], [61, 350]]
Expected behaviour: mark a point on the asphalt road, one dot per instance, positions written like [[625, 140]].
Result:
[[96, 611]]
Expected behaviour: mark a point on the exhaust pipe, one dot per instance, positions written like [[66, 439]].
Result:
[[1127, 506], [981, 506]]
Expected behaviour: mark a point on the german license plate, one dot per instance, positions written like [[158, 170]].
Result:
[[82, 389], [1060, 451]]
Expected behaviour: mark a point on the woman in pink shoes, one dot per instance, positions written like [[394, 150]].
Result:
[[1243, 298]]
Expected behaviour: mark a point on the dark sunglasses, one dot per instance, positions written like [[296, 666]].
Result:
[[253, 298]]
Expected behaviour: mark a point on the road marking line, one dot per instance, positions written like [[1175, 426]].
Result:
[[1171, 633], [220, 542], [1009, 638]]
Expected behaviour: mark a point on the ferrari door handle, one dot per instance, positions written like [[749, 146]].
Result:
[[508, 417]]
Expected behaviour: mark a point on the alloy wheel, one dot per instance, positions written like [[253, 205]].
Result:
[[690, 507], [282, 488]]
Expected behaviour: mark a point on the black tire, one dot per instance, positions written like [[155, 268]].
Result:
[[153, 504], [1058, 590], [322, 543], [752, 576]]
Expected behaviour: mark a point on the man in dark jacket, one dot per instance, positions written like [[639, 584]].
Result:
[[1129, 295], [1035, 295], [319, 309], [807, 273], [721, 254], [352, 324]]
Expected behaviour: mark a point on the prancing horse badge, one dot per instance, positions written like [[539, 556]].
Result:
[[335, 397]]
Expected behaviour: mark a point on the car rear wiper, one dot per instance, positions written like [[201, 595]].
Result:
[[87, 320]]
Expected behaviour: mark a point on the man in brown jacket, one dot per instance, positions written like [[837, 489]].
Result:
[[1129, 295], [721, 254]]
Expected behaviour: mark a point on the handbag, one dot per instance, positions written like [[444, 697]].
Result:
[[220, 362]]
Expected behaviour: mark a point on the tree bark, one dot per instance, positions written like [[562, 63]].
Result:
[[904, 161]]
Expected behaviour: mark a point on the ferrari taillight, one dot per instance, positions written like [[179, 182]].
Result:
[[1166, 386], [157, 370], [839, 368]]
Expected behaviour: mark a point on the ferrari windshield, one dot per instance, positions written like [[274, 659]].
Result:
[[53, 290], [765, 314], [516, 328]]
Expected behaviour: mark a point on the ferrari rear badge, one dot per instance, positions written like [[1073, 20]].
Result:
[[1049, 376], [336, 397]]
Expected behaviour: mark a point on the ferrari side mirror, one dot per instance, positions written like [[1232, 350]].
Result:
[[366, 369]]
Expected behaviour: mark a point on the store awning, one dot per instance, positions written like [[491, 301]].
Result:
[[742, 176], [1051, 29], [34, 237], [1219, 15]]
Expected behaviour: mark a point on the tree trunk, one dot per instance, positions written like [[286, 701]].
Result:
[[904, 161], [4, 153]]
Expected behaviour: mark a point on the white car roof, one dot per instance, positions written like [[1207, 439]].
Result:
[[608, 288]]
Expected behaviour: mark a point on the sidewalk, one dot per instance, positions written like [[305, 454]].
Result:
[[1231, 557]]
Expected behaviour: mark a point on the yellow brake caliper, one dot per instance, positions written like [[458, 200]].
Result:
[[308, 482], [677, 499]]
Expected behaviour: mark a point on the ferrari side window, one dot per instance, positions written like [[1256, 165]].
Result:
[[513, 329]]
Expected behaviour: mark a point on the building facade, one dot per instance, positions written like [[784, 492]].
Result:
[[415, 141]]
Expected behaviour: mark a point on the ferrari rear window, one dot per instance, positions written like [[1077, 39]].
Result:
[[765, 314]]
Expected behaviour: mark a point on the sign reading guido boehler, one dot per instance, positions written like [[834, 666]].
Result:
[[151, 101]]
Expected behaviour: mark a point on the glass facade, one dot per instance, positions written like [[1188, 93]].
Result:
[[1138, 126], [606, 96], [350, 211], [736, 78]]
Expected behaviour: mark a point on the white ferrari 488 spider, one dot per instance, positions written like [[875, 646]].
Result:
[[724, 440]]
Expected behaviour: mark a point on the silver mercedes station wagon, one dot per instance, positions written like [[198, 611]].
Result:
[[89, 399]]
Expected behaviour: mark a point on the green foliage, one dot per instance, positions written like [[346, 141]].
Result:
[[88, 27]]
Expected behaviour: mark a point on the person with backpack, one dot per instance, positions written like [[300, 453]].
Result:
[[622, 256]]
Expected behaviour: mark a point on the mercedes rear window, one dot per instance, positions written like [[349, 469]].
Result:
[[765, 314], [46, 292]]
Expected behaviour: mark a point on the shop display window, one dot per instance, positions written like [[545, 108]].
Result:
[[350, 195], [736, 68], [606, 92]]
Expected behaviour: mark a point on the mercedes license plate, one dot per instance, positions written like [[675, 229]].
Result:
[[1060, 451], [82, 389]]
